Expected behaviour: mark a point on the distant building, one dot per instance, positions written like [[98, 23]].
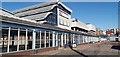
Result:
[[112, 32], [99, 32]]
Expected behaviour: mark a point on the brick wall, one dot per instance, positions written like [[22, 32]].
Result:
[[28, 52]]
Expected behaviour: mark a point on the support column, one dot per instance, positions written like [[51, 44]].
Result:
[[53, 39], [78, 39], [62, 39], [87, 38], [45, 39], [8, 39], [74, 29], [26, 40], [58, 16], [73, 38], [56, 39], [34, 39], [83, 38], [40, 39], [49, 39], [90, 39], [65, 38], [18, 39]]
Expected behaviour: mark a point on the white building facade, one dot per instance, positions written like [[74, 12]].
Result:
[[91, 28], [79, 26], [52, 13]]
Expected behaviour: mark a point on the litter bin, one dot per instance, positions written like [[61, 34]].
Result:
[[74, 45]]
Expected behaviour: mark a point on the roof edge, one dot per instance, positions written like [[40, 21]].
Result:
[[6, 11], [65, 6]]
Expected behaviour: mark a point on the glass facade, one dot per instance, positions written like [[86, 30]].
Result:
[[16, 39]]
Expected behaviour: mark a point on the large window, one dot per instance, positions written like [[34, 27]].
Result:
[[22, 39], [30, 39], [4, 40], [13, 39], [51, 35], [42, 39], [47, 38], [51, 19], [37, 39], [81, 39]]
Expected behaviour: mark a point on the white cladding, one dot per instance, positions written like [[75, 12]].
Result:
[[29, 12], [4, 12], [41, 11], [64, 20], [79, 24], [38, 16], [33, 6], [91, 27]]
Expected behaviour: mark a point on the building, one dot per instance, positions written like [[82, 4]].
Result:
[[112, 32], [82, 27], [52, 13], [99, 32], [79, 26], [22, 35], [91, 28]]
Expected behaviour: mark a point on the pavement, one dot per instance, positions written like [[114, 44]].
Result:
[[106, 48]]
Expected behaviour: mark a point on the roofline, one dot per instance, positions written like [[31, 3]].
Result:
[[65, 6], [18, 21], [6, 11], [22, 9], [45, 15], [49, 12], [30, 7], [80, 28]]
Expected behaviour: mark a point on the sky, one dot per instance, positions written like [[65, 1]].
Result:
[[103, 15]]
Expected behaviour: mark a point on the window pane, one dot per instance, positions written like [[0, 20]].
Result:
[[30, 38], [22, 40], [4, 41], [37, 39], [51, 39], [47, 39], [13, 40], [42, 39]]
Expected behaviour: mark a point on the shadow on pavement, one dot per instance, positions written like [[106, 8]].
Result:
[[116, 47], [78, 51]]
